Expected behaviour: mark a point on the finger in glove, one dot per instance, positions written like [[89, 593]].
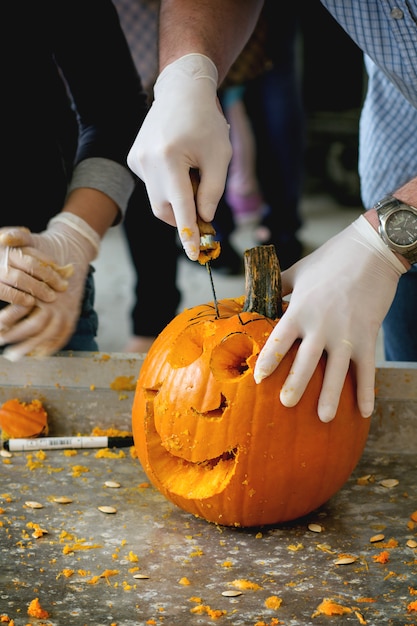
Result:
[[10, 315], [41, 333], [30, 271]]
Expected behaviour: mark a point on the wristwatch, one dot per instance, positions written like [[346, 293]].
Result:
[[398, 226]]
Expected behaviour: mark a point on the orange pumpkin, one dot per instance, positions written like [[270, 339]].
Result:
[[224, 448], [23, 419]]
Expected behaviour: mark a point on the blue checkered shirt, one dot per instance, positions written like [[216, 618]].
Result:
[[386, 30]]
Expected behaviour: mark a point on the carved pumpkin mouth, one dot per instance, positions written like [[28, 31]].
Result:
[[191, 480]]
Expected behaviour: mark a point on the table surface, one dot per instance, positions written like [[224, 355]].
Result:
[[83, 567], [189, 561]]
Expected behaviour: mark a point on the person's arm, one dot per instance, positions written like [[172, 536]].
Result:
[[340, 295], [185, 127], [218, 29], [110, 104], [106, 93], [68, 245], [97, 193], [408, 192]]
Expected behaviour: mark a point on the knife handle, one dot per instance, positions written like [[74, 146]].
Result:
[[205, 228]]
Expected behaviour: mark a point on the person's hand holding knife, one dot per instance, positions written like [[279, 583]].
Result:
[[184, 129]]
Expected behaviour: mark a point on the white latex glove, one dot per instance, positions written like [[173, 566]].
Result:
[[340, 296], [68, 242], [185, 128], [26, 277]]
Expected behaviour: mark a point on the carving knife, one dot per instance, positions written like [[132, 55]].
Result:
[[209, 247]]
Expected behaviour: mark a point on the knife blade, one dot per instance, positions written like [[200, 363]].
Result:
[[209, 247]]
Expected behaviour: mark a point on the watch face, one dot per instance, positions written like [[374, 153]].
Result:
[[401, 227]]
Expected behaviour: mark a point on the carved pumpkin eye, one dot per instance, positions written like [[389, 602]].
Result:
[[229, 359], [223, 448], [186, 348]]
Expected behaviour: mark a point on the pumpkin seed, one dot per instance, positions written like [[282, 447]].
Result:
[[112, 484], [5, 453], [62, 500], [378, 537], [411, 543], [345, 560], [231, 593], [140, 576], [107, 509], [315, 528], [389, 482], [33, 505]]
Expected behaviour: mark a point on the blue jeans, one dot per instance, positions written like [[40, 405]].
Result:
[[400, 323], [85, 332]]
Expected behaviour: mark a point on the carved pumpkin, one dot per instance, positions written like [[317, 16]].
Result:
[[218, 445], [23, 419]]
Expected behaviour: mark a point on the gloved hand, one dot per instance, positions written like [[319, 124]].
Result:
[[185, 128], [41, 330], [340, 296], [26, 277]]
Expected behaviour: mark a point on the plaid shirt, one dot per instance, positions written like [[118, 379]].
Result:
[[386, 30], [139, 21]]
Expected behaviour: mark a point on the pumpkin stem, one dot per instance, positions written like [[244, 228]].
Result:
[[263, 287]]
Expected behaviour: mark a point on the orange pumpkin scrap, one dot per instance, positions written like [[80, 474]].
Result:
[[220, 446], [35, 610], [23, 419]]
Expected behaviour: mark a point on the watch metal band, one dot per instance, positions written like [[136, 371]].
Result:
[[384, 209]]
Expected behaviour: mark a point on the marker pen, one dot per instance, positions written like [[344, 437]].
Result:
[[68, 443]]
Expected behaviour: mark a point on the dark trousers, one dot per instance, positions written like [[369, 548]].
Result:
[[154, 252]]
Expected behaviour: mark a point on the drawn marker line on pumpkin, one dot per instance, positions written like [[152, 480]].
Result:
[[205, 313]]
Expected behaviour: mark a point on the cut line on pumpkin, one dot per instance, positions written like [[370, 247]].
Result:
[[213, 413]]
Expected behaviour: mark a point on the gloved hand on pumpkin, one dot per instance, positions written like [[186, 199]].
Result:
[[168, 146], [42, 313], [340, 295]]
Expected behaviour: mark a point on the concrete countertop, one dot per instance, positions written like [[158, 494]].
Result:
[[83, 567]]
